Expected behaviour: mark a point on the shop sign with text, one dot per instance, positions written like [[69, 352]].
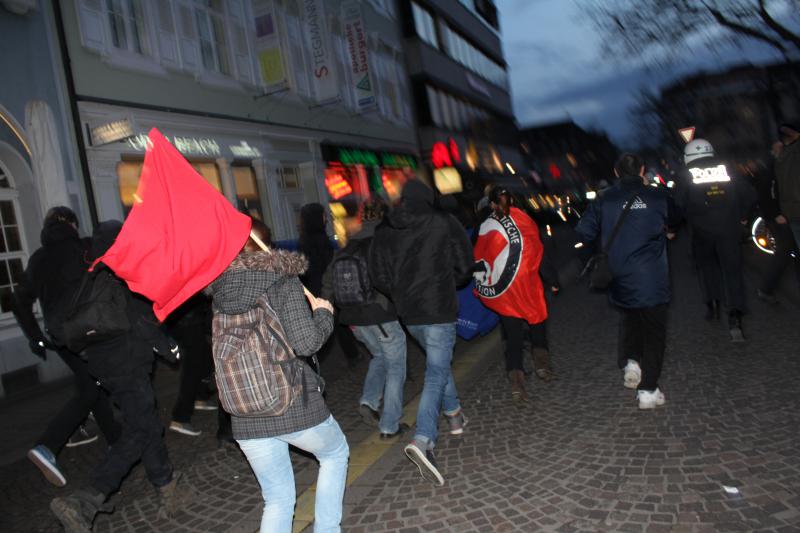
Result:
[[356, 36], [268, 44], [323, 75]]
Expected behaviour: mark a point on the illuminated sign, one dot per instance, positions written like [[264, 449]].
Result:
[[110, 132], [368, 158], [336, 183], [447, 180], [718, 174], [554, 171], [185, 145], [445, 154]]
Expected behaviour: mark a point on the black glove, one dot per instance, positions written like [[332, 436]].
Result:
[[39, 347]]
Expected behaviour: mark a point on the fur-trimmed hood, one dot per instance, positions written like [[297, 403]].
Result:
[[252, 274]]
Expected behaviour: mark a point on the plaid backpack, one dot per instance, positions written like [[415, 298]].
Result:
[[257, 372], [351, 283]]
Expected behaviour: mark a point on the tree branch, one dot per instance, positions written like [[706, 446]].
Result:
[[744, 30], [781, 30]]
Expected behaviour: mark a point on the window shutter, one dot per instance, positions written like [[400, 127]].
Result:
[[189, 45], [240, 37], [92, 22], [166, 36]]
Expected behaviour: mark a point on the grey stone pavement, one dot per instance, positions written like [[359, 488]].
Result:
[[579, 457]]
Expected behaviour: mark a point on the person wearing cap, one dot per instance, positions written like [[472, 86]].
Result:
[[787, 174], [715, 204]]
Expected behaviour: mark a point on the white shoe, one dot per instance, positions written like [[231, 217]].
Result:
[[632, 374], [649, 400]]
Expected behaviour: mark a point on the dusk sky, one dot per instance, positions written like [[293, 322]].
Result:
[[557, 71]]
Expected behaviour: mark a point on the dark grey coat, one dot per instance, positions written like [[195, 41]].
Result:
[[276, 273]]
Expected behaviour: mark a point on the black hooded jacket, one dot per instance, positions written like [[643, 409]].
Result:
[[52, 276], [419, 257], [315, 245]]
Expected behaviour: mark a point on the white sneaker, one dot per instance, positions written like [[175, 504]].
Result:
[[649, 400], [632, 374]]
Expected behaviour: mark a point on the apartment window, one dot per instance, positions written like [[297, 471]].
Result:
[[211, 33], [423, 23], [461, 50], [128, 173], [452, 112], [12, 252], [289, 178], [125, 20], [247, 196]]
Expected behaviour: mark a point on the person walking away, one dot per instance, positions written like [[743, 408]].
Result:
[[190, 326], [52, 276], [787, 174], [307, 424], [123, 364], [716, 204], [509, 249], [373, 320], [638, 261], [786, 251], [419, 257]]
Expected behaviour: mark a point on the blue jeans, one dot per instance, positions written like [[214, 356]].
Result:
[[269, 459], [439, 390], [387, 371]]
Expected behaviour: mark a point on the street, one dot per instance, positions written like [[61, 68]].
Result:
[[721, 455]]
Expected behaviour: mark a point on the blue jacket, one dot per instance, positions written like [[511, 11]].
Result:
[[638, 255]]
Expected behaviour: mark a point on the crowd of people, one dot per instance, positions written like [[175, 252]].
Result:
[[398, 274]]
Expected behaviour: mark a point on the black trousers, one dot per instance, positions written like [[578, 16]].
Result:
[[784, 246], [196, 365], [719, 263], [515, 329], [87, 397], [643, 338], [142, 434]]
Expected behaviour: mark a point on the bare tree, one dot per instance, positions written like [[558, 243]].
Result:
[[659, 30]]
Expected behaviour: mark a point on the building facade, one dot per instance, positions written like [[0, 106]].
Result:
[[276, 103], [459, 81]]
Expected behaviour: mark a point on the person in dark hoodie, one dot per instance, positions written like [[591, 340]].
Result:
[[373, 320], [307, 423], [638, 261], [419, 257], [315, 244], [123, 365], [52, 276]]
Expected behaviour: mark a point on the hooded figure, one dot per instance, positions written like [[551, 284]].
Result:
[[315, 245], [419, 257]]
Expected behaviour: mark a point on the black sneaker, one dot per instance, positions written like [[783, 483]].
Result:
[[85, 434], [77, 511], [370, 416], [402, 428], [426, 463]]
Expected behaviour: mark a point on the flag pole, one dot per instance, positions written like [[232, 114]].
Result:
[[258, 241]]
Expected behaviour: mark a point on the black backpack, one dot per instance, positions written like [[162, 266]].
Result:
[[98, 311], [351, 283]]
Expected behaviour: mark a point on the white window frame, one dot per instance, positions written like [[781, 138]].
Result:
[[204, 12], [11, 194], [131, 20]]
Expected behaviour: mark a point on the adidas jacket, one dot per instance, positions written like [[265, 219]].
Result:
[[638, 255]]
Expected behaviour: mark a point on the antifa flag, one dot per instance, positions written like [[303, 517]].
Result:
[[180, 235], [510, 249]]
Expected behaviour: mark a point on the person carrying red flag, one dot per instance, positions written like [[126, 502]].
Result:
[[511, 253]]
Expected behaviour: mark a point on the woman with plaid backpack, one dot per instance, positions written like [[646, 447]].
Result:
[[269, 280]]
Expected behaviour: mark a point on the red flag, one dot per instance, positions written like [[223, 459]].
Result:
[[510, 248], [181, 233]]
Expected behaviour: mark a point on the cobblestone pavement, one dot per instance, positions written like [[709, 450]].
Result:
[[579, 457]]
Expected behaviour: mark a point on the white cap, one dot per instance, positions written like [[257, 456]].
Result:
[[697, 149]]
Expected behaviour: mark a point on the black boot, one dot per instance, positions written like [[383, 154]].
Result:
[[76, 512], [712, 310], [735, 325], [175, 496]]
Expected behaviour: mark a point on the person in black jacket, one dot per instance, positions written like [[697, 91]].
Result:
[[315, 244], [373, 320], [716, 203], [123, 365], [638, 262], [419, 257], [52, 276]]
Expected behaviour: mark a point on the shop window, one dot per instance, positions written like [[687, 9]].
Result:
[[12, 249], [128, 173], [247, 196], [211, 32], [423, 23]]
